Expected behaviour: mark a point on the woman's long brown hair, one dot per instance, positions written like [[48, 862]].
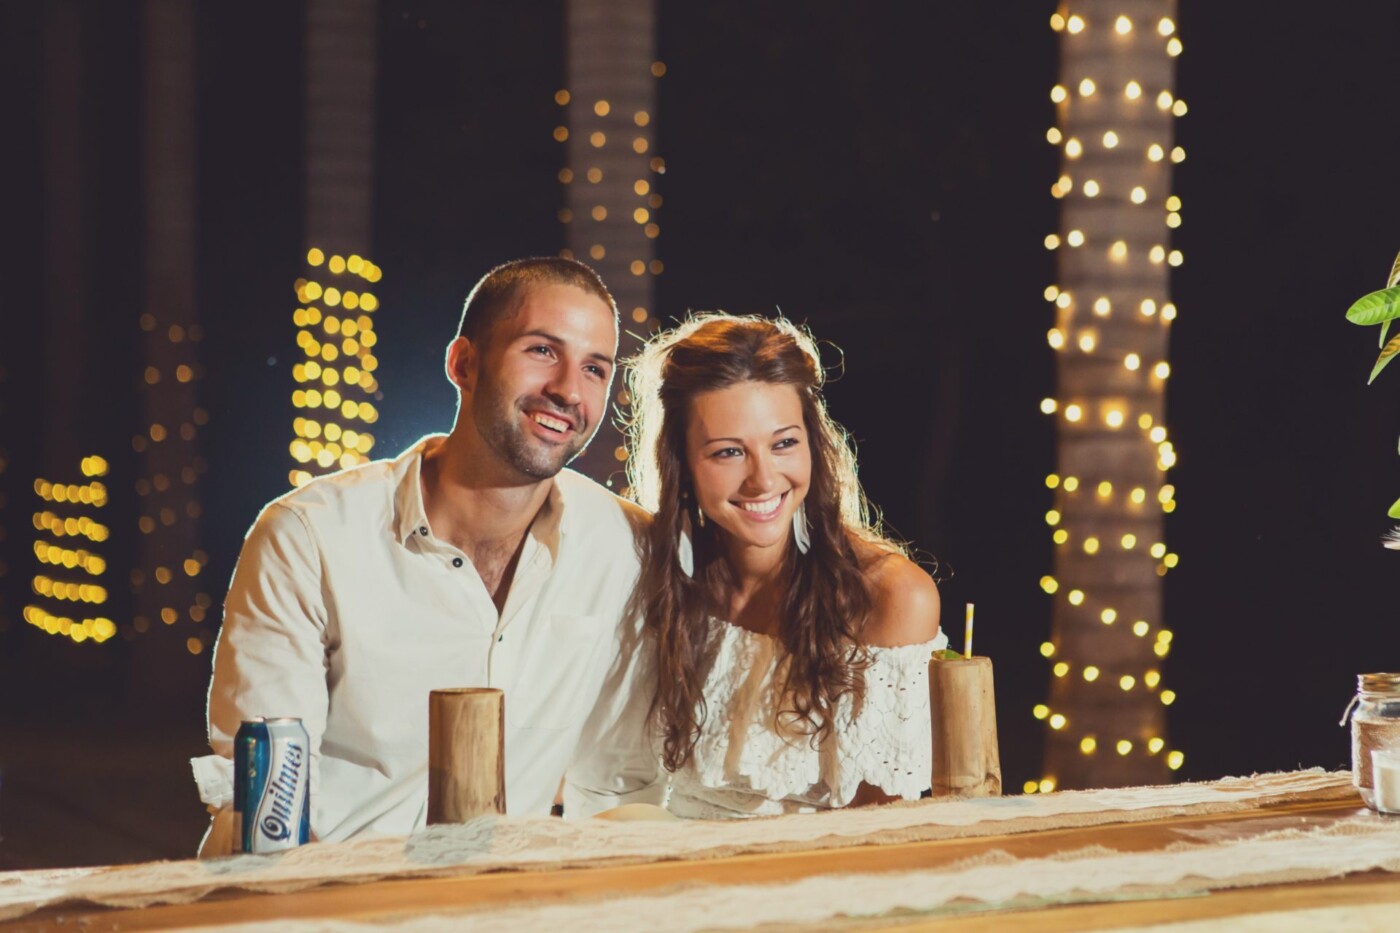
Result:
[[828, 600]]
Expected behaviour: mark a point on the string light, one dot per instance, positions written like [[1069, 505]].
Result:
[[340, 358], [54, 586], [1138, 385], [611, 138]]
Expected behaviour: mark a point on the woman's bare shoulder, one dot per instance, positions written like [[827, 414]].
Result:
[[906, 604]]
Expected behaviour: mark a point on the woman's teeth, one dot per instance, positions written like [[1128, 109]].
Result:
[[766, 507]]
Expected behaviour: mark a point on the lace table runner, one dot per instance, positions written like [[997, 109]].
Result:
[[1355, 844], [492, 844], [1374, 918]]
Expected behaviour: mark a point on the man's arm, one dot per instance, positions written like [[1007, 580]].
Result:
[[615, 762], [270, 659]]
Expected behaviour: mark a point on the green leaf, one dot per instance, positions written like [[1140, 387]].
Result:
[[1394, 278], [948, 654], [1394, 509], [1391, 281], [1387, 354], [1375, 307]]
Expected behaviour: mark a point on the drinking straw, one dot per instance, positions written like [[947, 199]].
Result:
[[967, 634]]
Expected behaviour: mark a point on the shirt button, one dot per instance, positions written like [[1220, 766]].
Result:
[[423, 531], [456, 562]]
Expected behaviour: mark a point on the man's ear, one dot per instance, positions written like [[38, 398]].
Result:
[[463, 359]]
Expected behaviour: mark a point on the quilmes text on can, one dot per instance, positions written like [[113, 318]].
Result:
[[271, 790]]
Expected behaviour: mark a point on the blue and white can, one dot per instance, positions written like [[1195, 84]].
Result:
[[271, 791]]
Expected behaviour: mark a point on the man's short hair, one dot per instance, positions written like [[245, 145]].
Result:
[[502, 291]]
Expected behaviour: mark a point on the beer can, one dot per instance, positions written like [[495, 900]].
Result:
[[271, 792]]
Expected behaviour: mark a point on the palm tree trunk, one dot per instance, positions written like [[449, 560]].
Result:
[[611, 177], [166, 579], [336, 390], [1115, 99]]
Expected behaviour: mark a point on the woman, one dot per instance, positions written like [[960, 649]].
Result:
[[793, 638]]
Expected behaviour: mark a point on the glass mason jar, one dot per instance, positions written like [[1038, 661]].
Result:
[[1375, 724]]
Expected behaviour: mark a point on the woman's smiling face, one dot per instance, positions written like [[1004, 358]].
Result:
[[749, 460]]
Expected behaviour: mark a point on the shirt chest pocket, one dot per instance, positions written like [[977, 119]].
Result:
[[559, 675]]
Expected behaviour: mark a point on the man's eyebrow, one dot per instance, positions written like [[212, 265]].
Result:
[[552, 338]]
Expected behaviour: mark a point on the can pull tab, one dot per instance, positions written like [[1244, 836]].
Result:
[[1346, 713]]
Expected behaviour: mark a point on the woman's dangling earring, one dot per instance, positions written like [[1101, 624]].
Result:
[[685, 551], [800, 537], [699, 514]]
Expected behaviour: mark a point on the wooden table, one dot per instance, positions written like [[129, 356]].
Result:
[[381, 900]]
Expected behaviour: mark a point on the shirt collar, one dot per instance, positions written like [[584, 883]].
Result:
[[411, 517], [548, 527]]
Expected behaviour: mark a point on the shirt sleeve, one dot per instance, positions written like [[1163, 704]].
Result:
[[615, 761], [270, 659]]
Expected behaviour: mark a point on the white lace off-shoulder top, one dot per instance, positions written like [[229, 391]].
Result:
[[742, 767]]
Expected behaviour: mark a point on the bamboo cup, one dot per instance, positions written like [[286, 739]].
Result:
[[966, 760], [466, 754]]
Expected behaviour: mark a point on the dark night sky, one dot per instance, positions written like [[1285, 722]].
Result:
[[879, 172]]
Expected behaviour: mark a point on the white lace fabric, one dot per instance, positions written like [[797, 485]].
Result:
[[996, 879], [743, 767], [542, 843]]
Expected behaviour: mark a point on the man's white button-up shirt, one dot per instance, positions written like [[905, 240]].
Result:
[[345, 610]]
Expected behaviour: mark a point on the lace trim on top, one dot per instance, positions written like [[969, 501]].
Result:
[[742, 766]]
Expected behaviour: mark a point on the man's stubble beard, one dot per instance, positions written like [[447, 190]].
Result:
[[498, 421]]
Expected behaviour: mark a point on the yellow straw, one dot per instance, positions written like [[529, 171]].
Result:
[[967, 634]]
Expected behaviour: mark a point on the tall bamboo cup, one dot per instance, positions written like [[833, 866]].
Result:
[[966, 759], [466, 754]]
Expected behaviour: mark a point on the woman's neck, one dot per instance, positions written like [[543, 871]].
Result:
[[759, 581]]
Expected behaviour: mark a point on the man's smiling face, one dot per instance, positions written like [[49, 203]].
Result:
[[543, 377]]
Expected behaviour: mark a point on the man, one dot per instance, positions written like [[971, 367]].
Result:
[[473, 559]]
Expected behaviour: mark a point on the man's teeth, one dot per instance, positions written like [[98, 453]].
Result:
[[766, 507], [554, 424]]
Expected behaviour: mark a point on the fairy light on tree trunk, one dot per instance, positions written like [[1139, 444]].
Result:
[[166, 578], [69, 586], [610, 177], [336, 387], [1116, 105]]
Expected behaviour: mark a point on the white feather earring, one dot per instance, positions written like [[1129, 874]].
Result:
[[685, 552], [800, 537]]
